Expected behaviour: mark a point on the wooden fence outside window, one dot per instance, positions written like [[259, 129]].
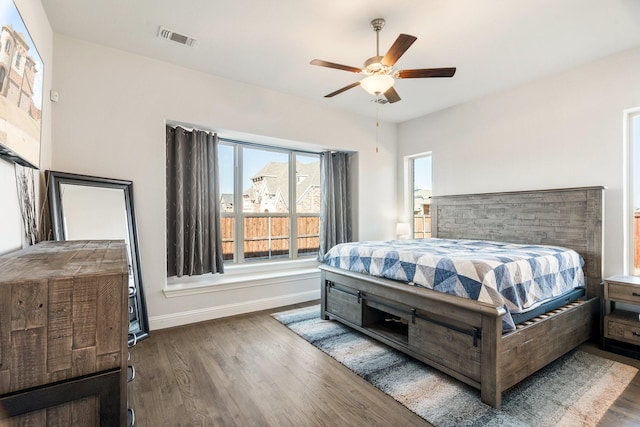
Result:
[[268, 236], [422, 226]]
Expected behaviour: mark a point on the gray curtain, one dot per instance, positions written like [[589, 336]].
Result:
[[194, 238], [335, 206]]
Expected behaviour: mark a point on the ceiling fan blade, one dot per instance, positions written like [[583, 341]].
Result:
[[426, 72], [391, 95], [327, 64], [339, 91], [399, 47]]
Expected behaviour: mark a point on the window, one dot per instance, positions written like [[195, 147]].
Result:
[[7, 47], [18, 59], [270, 203], [634, 145], [421, 188]]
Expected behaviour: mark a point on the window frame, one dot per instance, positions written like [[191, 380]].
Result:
[[240, 215], [630, 116], [409, 188]]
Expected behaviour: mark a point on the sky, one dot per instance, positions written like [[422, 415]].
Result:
[[9, 15], [422, 173]]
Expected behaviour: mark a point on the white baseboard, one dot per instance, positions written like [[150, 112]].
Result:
[[186, 317]]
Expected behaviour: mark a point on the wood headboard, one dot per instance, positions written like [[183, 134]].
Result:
[[569, 217]]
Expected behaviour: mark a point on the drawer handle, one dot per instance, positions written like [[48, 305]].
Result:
[[636, 334], [358, 294], [635, 294]]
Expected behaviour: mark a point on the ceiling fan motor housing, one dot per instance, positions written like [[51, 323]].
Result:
[[373, 66], [377, 24]]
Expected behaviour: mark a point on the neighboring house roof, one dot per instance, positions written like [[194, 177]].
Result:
[[275, 176], [226, 198], [311, 174], [423, 196]]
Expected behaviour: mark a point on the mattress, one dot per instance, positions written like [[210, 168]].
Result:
[[520, 278]]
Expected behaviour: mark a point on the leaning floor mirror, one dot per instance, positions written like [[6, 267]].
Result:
[[92, 208]]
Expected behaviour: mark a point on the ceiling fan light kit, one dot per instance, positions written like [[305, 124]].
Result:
[[377, 84], [379, 69]]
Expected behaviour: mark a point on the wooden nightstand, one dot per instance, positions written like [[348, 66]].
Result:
[[622, 327]]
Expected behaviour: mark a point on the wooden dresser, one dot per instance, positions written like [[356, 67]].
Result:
[[63, 334]]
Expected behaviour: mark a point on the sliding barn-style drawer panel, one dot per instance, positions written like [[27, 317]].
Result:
[[345, 303], [446, 347]]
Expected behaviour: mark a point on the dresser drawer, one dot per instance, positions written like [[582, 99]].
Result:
[[345, 303], [621, 292], [622, 326]]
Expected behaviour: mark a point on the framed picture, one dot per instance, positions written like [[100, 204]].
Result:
[[21, 73]]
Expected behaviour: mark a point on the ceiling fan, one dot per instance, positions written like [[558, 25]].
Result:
[[380, 75]]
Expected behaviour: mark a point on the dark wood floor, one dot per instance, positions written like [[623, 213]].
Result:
[[251, 371]]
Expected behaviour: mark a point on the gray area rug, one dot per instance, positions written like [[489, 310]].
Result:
[[575, 390]]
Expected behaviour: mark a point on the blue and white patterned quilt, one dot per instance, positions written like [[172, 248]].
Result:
[[516, 277]]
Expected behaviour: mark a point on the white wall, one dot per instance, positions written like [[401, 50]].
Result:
[[11, 234], [565, 130], [10, 222], [110, 122]]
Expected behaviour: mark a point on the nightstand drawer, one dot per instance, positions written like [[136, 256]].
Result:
[[622, 326], [622, 293]]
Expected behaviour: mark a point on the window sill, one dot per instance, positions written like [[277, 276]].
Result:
[[242, 276]]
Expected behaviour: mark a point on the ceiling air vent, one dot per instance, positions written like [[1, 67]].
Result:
[[165, 33]]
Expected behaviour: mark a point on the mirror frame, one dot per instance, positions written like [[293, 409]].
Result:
[[54, 181]]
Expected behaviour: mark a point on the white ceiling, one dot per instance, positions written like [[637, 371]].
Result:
[[495, 44]]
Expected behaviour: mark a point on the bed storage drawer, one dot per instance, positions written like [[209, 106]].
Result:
[[446, 347], [344, 302]]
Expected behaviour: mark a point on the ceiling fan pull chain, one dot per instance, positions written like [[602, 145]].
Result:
[[377, 120]]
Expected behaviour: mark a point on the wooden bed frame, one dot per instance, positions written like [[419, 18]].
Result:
[[462, 337]]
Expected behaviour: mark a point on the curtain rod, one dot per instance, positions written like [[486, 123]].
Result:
[[236, 141], [256, 144]]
